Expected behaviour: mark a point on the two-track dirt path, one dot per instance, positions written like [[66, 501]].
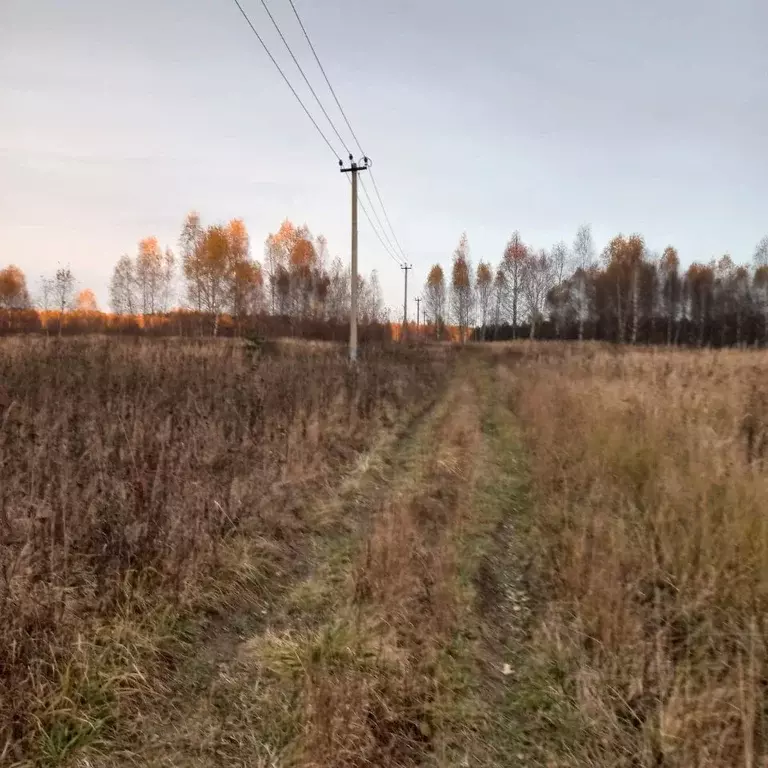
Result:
[[392, 644]]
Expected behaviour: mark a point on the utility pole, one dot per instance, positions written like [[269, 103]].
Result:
[[354, 169], [418, 307], [405, 267]]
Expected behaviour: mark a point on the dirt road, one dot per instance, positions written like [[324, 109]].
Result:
[[394, 643]]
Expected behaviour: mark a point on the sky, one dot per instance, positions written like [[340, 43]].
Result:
[[117, 118]]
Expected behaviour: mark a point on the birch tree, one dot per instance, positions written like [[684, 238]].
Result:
[[122, 287], [500, 290], [434, 297], [149, 274], [760, 292], [583, 254], [484, 291], [538, 280], [513, 264], [461, 287], [63, 289], [760, 258], [669, 272], [191, 244]]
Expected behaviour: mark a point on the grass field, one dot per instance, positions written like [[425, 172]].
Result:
[[651, 493], [503, 555]]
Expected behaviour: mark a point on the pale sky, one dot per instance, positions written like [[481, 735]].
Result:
[[116, 118]]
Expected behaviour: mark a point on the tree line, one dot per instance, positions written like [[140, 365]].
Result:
[[626, 294], [297, 279], [212, 283]]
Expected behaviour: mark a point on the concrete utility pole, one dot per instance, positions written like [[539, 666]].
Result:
[[418, 307], [354, 169], [405, 267]]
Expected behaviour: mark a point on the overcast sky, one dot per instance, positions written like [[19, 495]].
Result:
[[116, 118]]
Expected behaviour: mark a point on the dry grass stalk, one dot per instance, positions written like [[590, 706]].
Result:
[[650, 476], [125, 466], [373, 691]]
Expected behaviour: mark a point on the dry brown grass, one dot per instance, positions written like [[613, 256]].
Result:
[[649, 477], [145, 485], [371, 681], [126, 468]]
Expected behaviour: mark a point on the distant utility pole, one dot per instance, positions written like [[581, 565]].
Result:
[[354, 169], [418, 307], [405, 267]]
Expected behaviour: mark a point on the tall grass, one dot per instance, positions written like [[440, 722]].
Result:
[[649, 472], [377, 682], [125, 466]]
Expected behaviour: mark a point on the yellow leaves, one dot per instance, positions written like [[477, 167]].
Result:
[[216, 249], [700, 275], [436, 276], [148, 247], [460, 272], [13, 286], [670, 261], [247, 273], [484, 275], [237, 230], [303, 254], [283, 242], [12, 275], [86, 301], [220, 273], [624, 253], [237, 235], [292, 247], [150, 257], [286, 233]]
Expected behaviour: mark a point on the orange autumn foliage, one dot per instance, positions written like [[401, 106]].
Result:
[[186, 323], [426, 332], [86, 301]]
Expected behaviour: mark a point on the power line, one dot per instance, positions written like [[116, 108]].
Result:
[[322, 69], [389, 248], [376, 215], [376, 232], [306, 80], [287, 81], [351, 130], [354, 171], [386, 217]]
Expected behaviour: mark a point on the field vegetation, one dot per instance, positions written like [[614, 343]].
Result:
[[141, 479], [221, 552], [649, 486]]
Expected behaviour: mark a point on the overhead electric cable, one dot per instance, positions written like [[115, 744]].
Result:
[[386, 217], [306, 79], [351, 130], [285, 78], [376, 215], [376, 232], [322, 69]]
